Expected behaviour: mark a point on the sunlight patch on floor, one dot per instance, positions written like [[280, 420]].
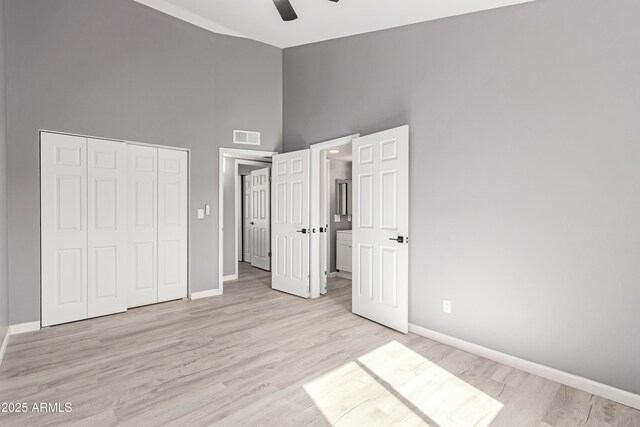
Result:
[[394, 385]]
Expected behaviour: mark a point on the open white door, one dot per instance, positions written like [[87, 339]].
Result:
[[381, 227], [246, 218], [261, 219], [291, 232]]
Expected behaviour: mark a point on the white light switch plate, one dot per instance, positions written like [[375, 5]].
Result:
[[336, 218], [200, 213], [446, 306]]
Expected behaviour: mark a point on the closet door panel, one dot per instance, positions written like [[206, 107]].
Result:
[[143, 226], [63, 184], [107, 224], [172, 224]]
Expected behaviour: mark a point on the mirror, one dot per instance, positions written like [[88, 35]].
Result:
[[343, 197]]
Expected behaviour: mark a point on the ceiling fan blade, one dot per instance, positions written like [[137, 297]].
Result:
[[285, 9], [335, 1]]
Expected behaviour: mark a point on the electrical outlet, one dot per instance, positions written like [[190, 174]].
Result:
[[446, 306]]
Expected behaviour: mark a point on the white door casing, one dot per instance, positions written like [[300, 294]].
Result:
[[325, 241], [172, 224], [260, 220], [246, 218], [64, 228], [107, 225], [290, 224], [380, 214], [143, 226]]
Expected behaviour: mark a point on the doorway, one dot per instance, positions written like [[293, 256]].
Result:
[[335, 216], [243, 246]]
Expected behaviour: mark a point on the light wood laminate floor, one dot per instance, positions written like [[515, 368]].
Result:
[[254, 356]]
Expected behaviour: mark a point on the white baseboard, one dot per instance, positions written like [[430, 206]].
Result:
[[5, 342], [17, 329], [21, 328], [571, 380], [205, 294], [341, 274], [229, 277]]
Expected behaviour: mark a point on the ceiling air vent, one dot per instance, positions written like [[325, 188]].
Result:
[[246, 137]]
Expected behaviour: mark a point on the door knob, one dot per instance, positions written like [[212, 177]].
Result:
[[303, 231], [399, 239], [252, 223]]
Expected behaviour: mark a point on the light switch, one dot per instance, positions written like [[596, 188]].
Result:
[[336, 218], [349, 218], [200, 213]]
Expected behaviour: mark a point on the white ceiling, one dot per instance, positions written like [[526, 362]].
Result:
[[318, 20], [343, 154]]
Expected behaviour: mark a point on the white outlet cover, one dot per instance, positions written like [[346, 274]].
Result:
[[336, 218], [200, 213], [446, 306]]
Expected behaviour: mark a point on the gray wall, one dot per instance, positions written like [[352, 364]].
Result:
[[525, 177], [119, 69], [4, 288], [338, 169]]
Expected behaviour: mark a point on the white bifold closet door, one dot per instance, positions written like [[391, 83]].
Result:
[[113, 227], [158, 225], [172, 224], [143, 225], [63, 168], [107, 225]]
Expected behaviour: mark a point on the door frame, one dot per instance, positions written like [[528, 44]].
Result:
[[315, 196], [221, 155], [128, 142], [238, 200]]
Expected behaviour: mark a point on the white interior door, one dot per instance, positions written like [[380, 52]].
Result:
[[143, 226], [291, 232], [246, 218], [381, 227], [261, 218], [107, 224], [172, 224], [64, 228]]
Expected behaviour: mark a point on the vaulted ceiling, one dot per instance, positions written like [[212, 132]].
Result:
[[318, 20]]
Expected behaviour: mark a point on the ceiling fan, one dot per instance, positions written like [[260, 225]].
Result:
[[286, 10]]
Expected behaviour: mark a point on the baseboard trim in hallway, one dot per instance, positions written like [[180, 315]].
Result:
[[205, 294], [571, 380]]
